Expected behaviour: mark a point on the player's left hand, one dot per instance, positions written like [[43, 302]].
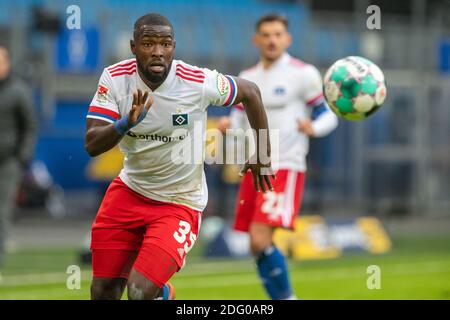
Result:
[[261, 175], [305, 126], [223, 124]]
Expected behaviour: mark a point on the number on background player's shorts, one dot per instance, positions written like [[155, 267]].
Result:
[[277, 208]]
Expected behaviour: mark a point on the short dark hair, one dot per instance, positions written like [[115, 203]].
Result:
[[153, 19], [271, 18]]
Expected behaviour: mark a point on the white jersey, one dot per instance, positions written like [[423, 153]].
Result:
[[289, 89], [151, 167]]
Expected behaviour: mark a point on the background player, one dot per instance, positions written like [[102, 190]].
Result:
[[150, 216], [292, 96]]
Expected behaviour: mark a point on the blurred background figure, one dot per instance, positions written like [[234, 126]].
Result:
[[18, 133], [296, 109]]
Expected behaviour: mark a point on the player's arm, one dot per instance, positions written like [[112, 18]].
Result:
[[322, 120], [249, 95], [233, 121], [321, 123], [28, 126], [102, 136]]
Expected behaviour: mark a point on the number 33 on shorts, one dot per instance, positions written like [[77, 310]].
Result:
[[185, 237]]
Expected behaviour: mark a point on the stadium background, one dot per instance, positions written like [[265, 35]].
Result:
[[395, 166]]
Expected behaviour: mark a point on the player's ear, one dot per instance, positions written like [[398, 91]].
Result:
[[288, 40], [132, 46], [255, 40]]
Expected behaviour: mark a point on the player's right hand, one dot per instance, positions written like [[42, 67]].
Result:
[[142, 101], [261, 175], [223, 124]]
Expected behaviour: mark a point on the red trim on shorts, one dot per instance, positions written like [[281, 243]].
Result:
[[251, 206]]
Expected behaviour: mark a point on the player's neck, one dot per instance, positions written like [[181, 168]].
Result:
[[267, 63], [151, 85]]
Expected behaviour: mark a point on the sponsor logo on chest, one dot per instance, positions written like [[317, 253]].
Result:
[[180, 119]]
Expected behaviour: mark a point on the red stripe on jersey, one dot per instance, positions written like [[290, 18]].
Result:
[[297, 62], [190, 74], [123, 68], [185, 77], [314, 100], [239, 106], [198, 72], [104, 111], [122, 65], [123, 72]]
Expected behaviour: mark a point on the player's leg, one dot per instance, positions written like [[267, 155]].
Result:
[[117, 235], [261, 238], [107, 288], [110, 272], [151, 274], [271, 264], [10, 173], [245, 204], [172, 231], [260, 233], [275, 209], [167, 292]]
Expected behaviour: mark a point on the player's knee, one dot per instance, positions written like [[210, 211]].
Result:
[[137, 291], [102, 289], [259, 243], [140, 288], [260, 238]]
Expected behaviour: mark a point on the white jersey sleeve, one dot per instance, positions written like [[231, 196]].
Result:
[[219, 89], [312, 91], [104, 106], [313, 96]]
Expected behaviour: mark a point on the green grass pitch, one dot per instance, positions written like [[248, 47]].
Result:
[[416, 268]]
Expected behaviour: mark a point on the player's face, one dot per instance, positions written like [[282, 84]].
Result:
[[5, 64], [154, 47], [272, 39]]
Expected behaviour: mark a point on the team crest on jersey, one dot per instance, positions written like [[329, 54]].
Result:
[[223, 85], [180, 119], [101, 94]]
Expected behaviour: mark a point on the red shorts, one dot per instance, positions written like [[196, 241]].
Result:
[[133, 231], [277, 208]]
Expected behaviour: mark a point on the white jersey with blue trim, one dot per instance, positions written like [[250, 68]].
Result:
[[289, 89], [162, 162]]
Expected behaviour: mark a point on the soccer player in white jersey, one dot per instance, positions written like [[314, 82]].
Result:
[[152, 106], [292, 95]]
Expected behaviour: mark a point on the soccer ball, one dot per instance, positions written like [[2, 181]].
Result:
[[354, 88]]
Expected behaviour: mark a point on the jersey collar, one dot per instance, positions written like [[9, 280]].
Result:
[[283, 60], [165, 85]]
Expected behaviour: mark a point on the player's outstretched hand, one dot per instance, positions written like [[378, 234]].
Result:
[[142, 101], [223, 124], [306, 127], [261, 175], [141, 104]]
